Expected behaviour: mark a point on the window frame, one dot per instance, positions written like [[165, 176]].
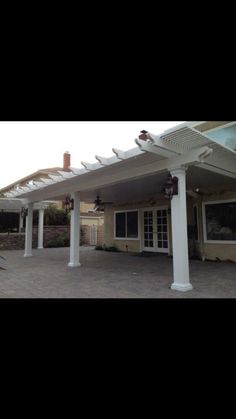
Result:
[[225, 201], [127, 238]]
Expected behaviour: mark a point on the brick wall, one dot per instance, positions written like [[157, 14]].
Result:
[[12, 241], [15, 241]]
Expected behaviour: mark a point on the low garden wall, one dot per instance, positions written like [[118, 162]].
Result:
[[53, 236]]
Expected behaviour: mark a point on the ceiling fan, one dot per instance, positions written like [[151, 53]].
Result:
[[99, 204]]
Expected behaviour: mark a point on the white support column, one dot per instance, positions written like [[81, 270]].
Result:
[[40, 229], [179, 234], [75, 231], [29, 231]]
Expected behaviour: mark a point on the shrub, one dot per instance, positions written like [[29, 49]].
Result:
[[60, 241], [56, 216], [107, 248], [111, 249]]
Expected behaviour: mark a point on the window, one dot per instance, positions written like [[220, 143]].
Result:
[[220, 221], [120, 224], [126, 224], [225, 136]]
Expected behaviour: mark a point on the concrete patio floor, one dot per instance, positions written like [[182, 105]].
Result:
[[108, 275]]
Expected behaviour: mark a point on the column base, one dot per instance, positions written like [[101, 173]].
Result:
[[40, 248], [181, 287], [73, 265], [27, 255]]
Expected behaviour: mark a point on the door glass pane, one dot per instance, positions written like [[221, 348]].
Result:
[[162, 237], [148, 229]]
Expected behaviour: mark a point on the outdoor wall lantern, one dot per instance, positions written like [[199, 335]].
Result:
[[144, 135], [68, 203], [24, 212], [171, 187]]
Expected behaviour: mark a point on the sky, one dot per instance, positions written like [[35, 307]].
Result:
[[29, 146]]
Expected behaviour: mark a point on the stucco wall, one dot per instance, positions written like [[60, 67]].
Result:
[[199, 248], [122, 244]]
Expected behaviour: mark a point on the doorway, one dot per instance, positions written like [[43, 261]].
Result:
[[155, 230]]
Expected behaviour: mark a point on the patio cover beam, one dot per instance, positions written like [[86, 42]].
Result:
[[116, 175]]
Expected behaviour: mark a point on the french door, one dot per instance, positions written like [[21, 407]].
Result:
[[155, 230]]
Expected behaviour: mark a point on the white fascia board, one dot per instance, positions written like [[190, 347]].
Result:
[[133, 152], [218, 170], [41, 205], [8, 203], [222, 163]]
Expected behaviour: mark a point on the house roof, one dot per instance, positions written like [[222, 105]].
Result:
[[182, 145]]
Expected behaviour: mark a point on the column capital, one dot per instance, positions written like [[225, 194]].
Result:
[[178, 170]]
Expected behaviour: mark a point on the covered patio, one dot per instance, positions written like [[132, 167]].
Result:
[[108, 275], [183, 152]]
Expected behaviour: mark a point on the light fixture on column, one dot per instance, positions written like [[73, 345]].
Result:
[[171, 187], [68, 203], [24, 212]]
